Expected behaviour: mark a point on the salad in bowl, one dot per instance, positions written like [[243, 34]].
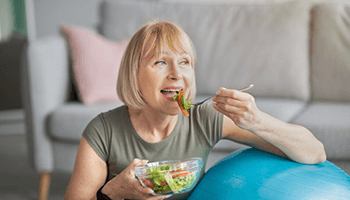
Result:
[[170, 177]]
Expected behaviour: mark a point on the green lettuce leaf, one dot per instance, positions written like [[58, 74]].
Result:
[[159, 175], [178, 184], [185, 103]]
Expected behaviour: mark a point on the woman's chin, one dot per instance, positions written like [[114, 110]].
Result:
[[173, 112]]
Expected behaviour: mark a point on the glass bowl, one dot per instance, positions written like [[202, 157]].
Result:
[[171, 176]]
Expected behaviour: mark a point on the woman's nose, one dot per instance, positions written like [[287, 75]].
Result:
[[175, 72]]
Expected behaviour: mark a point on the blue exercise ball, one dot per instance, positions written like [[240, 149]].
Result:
[[251, 174]]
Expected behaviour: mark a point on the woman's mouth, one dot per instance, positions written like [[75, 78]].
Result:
[[170, 93]]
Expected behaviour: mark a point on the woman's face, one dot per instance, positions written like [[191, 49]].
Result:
[[160, 75]]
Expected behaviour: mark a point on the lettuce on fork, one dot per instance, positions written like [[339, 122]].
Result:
[[184, 104]]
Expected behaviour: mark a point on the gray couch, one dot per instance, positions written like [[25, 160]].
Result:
[[297, 54]]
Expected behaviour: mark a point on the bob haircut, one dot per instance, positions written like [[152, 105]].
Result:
[[157, 35]]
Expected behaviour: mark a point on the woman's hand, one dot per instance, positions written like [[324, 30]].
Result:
[[239, 106], [125, 185]]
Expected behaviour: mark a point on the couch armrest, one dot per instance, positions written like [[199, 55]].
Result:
[[45, 84]]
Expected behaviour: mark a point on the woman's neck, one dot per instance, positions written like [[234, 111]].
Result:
[[152, 126]]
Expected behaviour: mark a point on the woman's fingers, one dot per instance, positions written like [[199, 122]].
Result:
[[234, 106], [137, 162], [229, 101], [239, 106], [228, 109], [219, 109], [234, 98], [158, 197], [136, 190], [146, 191], [139, 188], [128, 186], [233, 113], [231, 93]]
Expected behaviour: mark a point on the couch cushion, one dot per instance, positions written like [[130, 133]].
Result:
[[69, 121], [330, 123], [330, 52], [236, 44], [96, 63], [283, 109]]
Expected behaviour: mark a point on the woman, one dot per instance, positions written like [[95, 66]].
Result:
[[158, 62]]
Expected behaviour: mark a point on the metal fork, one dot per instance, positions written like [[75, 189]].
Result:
[[242, 90]]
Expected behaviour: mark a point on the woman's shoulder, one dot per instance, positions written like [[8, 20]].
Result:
[[99, 131], [118, 112], [111, 116]]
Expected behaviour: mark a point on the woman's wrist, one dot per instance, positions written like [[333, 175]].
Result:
[[111, 193], [100, 195]]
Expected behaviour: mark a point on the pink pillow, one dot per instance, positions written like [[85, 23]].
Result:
[[96, 63]]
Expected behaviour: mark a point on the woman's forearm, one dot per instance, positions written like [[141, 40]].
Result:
[[297, 142]]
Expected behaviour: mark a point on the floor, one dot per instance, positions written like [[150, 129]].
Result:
[[18, 181]]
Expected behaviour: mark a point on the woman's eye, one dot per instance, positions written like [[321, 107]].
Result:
[[159, 63], [185, 62]]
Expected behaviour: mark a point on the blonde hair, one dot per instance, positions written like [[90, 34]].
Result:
[[156, 35]]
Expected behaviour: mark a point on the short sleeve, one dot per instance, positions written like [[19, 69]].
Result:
[[209, 121], [96, 135]]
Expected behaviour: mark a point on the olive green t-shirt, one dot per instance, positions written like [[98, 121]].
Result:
[[114, 139]]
